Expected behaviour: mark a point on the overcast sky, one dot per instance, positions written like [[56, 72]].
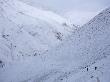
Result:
[[78, 11]]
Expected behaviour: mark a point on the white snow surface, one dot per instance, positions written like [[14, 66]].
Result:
[[28, 31], [84, 56]]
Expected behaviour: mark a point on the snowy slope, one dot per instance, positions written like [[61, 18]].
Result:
[[39, 4], [28, 31], [83, 57], [91, 41], [75, 60], [85, 47]]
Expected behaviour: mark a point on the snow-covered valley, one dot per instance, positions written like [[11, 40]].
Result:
[[40, 46]]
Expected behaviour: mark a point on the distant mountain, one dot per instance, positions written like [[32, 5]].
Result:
[[28, 31]]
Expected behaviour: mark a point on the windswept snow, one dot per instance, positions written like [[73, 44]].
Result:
[[88, 43], [49, 53], [28, 31], [85, 47]]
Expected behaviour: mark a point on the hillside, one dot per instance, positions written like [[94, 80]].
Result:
[[25, 30], [81, 52], [82, 57], [49, 52]]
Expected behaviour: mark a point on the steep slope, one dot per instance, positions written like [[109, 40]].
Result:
[[90, 41], [84, 47], [83, 57], [39, 4], [28, 31]]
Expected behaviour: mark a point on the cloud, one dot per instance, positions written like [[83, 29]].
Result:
[[66, 5], [78, 11], [79, 17]]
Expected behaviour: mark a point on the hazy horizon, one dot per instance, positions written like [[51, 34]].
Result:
[[77, 11]]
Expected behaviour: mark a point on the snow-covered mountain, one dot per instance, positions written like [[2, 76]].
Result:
[[82, 57], [87, 47], [91, 41], [28, 31], [39, 4]]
